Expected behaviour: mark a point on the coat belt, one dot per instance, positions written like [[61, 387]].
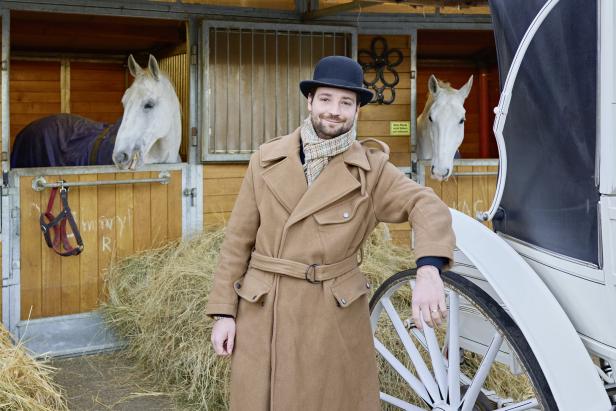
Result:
[[312, 273]]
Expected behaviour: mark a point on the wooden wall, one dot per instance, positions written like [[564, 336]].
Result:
[[114, 221], [176, 67], [374, 119]]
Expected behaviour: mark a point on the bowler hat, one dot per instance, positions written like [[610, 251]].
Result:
[[338, 72]]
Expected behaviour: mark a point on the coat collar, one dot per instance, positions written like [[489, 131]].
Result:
[[285, 146], [284, 176]]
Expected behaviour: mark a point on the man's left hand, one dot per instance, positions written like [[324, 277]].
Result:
[[428, 297]]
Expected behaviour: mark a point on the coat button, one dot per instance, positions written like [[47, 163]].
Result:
[[342, 301], [367, 285], [345, 214], [238, 286], [254, 297]]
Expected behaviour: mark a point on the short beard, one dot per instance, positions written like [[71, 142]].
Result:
[[323, 133]]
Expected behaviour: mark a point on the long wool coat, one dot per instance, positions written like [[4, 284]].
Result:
[[299, 345]]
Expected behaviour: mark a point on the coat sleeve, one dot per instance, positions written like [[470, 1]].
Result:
[[240, 235], [397, 199]]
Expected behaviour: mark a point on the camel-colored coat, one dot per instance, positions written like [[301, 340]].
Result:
[[304, 346]]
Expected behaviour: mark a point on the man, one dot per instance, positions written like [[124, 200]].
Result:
[[290, 301]]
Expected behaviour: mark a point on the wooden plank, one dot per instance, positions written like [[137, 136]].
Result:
[[71, 289], [224, 170], [51, 266], [30, 250], [449, 193], [433, 183], [36, 86], [219, 204], [174, 206], [480, 191], [158, 213], [213, 221], [383, 112], [25, 97], [124, 217], [106, 230], [465, 191], [141, 207], [213, 187], [88, 223]]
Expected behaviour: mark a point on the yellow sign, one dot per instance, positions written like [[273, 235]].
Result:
[[399, 128]]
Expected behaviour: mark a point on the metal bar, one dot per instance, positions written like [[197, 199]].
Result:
[[276, 132], [288, 87], [252, 87], [227, 91], [239, 95], [475, 173], [40, 183], [213, 124], [263, 137], [413, 92]]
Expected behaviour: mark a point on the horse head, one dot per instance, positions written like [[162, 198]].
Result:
[[442, 124], [151, 128]]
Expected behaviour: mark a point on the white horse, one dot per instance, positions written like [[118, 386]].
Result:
[[440, 127], [150, 130]]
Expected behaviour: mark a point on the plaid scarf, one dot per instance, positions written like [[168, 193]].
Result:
[[318, 150]]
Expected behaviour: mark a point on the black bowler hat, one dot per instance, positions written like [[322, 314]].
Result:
[[338, 72]]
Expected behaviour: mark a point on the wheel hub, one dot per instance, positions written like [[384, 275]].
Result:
[[442, 406]]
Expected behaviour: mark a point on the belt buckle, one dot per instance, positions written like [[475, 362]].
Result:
[[312, 280]]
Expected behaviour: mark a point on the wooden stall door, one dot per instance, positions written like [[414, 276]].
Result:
[[114, 221]]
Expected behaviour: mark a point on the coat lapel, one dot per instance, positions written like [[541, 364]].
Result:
[[287, 182], [285, 179], [334, 182]]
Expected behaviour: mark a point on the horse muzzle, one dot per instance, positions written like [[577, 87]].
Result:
[[439, 173], [124, 161]]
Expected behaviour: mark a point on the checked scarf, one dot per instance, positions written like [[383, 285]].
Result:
[[318, 151]]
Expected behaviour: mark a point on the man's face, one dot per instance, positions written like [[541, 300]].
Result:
[[332, 111]]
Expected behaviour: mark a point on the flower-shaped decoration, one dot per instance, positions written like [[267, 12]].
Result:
[[381, 61]]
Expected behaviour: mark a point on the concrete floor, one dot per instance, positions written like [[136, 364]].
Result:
[[106, 382]]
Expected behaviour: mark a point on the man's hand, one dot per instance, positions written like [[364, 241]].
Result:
[[223, 336], [428, 297]]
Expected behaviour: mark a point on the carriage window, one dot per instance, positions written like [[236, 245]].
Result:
[[251, 77]]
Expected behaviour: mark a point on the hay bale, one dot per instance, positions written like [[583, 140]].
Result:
[[26, 384], [156, 303]]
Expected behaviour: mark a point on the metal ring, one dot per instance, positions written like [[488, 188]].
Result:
[[314, 271]]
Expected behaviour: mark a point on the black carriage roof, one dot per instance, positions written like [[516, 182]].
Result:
[[551, 195]]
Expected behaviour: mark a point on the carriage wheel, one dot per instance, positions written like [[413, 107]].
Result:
[[431, 370]]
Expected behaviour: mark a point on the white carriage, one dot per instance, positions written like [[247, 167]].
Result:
[[537, 293]]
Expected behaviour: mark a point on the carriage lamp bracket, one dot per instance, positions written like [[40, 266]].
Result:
[[39, 183]]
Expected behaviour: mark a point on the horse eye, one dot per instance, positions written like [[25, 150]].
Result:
[[462, 121], [148, 105]]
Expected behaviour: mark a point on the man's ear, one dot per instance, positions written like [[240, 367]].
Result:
[[309, 97]]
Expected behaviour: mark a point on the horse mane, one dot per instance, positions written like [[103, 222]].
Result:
[[445, 86]]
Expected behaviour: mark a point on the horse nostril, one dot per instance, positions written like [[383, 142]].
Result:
[[446, 172], [121, 157], [432, 169]]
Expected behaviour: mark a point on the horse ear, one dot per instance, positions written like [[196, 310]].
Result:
[[466, 89], [153, 66], [433, 84], [134, 67]]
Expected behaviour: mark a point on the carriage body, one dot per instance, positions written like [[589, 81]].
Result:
[[558, 205]]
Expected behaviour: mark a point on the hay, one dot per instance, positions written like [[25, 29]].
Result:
[[156, 303], [25, 384]]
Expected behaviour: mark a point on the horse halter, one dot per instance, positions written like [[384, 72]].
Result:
[[60, 243]]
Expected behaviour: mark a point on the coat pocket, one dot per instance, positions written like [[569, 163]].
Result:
[[350, 287], [254, 285], [340, 213]]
